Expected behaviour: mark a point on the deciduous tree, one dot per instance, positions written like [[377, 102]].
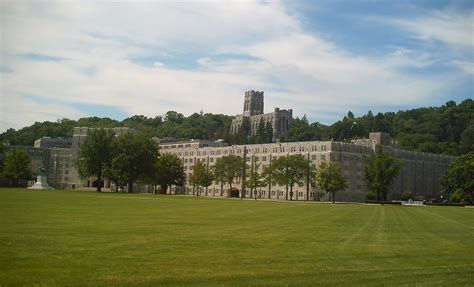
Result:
[[255, 178], [201, 176], [380, 171], [96, 155], [2, 157], [290, 170], [330, 178], [168, 171], [228, 168], [460, 176], [134, 158], [267, 178], [17, 165]]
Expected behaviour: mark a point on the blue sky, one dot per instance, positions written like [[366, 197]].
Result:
[[320, 58]]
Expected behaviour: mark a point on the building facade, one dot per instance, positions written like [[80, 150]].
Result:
[[48, 142], [56, 160], [421, 172], [253, 116], [78, 137], [58, 156]]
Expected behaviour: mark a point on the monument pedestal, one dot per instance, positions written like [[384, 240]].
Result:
[[41, 183]]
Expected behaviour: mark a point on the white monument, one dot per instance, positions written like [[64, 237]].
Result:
[[41, 180]]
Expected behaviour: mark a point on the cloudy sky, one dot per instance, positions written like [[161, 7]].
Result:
[[321, 58]]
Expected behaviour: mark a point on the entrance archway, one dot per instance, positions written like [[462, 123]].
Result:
[[234, 192]]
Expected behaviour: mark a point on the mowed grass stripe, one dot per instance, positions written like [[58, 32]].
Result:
[[89, 239]]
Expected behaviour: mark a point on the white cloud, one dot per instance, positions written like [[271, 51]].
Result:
[[450, 27], [97, 40], [23, 111], [467, 67]]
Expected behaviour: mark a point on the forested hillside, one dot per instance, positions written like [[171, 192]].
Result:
[[448, 129], [172, 125]]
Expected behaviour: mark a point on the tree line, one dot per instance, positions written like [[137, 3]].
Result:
[[448, 129]]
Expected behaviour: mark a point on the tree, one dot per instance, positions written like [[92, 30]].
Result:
[[467, 139], [310, 177], [134, 158], [174, 117], [96, 155], [17, 165], [267, 177], [301, 131], [260, 134], [201, 176], [268, 135], [459, 196], [2, 157], [290, 170], [330, 178], [460, 176], [168, 171], [380, 172], [228, 168], [115, 175], [254, 177]]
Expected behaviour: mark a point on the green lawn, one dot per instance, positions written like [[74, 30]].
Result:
[[83, 238]]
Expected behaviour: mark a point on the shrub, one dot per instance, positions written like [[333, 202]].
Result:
[[458, 196], [406, 195]]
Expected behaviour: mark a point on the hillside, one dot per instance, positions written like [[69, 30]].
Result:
[[448, 129]]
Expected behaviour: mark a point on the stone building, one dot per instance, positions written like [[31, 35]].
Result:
[[56, 161], [48, 142], [280, 120], [421, 172], [78, 137], [193, 143], [58, 156]]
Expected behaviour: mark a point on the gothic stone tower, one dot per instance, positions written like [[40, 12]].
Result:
[[280, 120], [253, 103]]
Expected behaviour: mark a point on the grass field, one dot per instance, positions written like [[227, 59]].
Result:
[[78, 238]]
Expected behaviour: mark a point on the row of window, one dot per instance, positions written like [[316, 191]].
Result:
[[262, 193], [176, 146], [256, 150], [256, 158]]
